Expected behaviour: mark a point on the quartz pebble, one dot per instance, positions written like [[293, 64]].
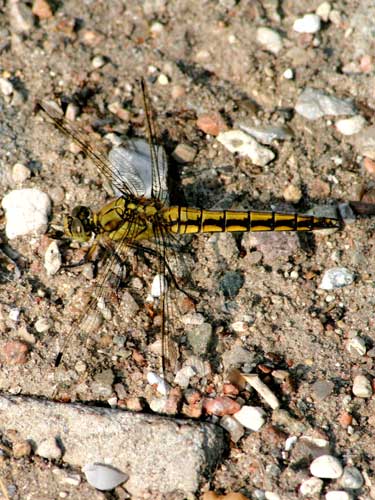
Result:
[[323, 10], [220, 406], [234, 427], [98, 62], [52, 259], [103, 477], [336, 277], [161, 385], [27, 211], [251, 417], [270, 39], [184, 153], [49, 449], [311, 486], [352, 478], [255, 382], [183, 376], [362, 387], [309, 23], [6, 87], [338, 495], [265, 134], [356, 346], [313, 104], [20, 173], [326, 467], [288, 74], [350, 126], [237, 141]]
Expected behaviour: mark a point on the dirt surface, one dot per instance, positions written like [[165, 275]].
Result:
[[259, 294]]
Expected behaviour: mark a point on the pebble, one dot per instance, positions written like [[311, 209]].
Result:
[[313, 104], [236, 357], [251, 417], [352, 478], [98, 62], [338, 495], [284, 419], [292, 193], [21, 448], [323, 10], [237, 141], [288, 74], [211, 123], [161, 385], [42, 9], [322, 389], [49, 449], [14, 314], [20, 173], [234, 427], [369, 166], [311, 486], [270, 39], [364, 142], [362, 387], [336, 277], [267, 133], [200, 338], [220, 406], [326, 467], [163, 79], [309, 23], [104, 477], [158, 286], [15, 352], [27, 211], [102, 383], [52, 259], [357, 346], [6, 87], [183, 153], [256, 383], [183, 376], [350, 126], [42, 325], [231, 283]]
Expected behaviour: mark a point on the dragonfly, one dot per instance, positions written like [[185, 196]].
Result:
[[140, 210]]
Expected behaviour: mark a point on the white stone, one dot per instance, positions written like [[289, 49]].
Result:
[[52, 259], [49, 449], [14, 314], [183, 376], [338, 495], [270, 39], [326, 467], [309, 23], [98, 62], [256, 383], [271, 495], [237, 141], [288, 74], [323, 11], [350, 126], [356, 345], [336, 277], [6, 87], [362, 387], [251, 417], [27, 211], [161, 385], [163, 79], [311, 486], [20, 173], [103, 477], [159, 286], [314, 103]]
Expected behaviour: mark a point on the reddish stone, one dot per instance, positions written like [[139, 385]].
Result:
[[345, 419], [369, 165], [220, 406], [15, 352], [211, 123]]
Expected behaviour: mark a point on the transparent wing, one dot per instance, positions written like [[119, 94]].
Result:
[[133, 163]]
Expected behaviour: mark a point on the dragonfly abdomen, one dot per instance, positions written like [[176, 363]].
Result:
[[184, 220]]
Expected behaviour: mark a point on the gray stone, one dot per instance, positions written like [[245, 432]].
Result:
[[158, 454], [313, 104], [352, 478], [200, 338]]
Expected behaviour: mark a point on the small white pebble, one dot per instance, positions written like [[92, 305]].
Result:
[[310, 487], [357, 346], [103, 477], [6, 87], [183, 376], [338, 495], [323, 11], [20, 173], [27, 211], [163, 79], [237, 141], [290, 442], [336, 277], [251, 417], [42, 325], [271, 495], [52, 259], [362, 387], [270, 39], [14, 314], [326, 467], [161, 385], [98, 62], [288, 74], [256, 383], [71, 112], [309, 23], [159, 286], [350, 126], [48, 448]]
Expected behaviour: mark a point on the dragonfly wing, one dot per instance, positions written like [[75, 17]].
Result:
[[133, 163]]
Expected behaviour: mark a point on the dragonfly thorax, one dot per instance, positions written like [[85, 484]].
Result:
[[79, 225]]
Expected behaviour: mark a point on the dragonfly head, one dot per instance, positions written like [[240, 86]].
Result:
[[79, 225]]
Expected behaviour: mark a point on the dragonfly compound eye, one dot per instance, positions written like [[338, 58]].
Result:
[[78, 226]]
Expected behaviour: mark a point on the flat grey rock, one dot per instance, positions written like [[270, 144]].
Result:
[[159, 455]]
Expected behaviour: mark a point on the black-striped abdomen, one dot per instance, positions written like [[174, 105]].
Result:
[[184, 220]]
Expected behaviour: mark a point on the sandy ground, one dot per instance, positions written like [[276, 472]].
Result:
[[197, 58]]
